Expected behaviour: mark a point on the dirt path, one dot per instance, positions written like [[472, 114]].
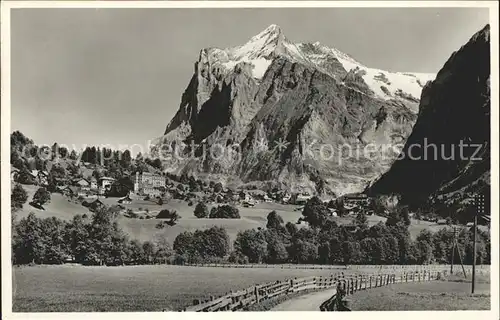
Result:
[[308, 302]]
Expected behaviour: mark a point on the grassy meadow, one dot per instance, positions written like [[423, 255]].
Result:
[[132, 288], [451, 294]]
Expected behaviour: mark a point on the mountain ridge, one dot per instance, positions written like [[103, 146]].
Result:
[[270, 90]]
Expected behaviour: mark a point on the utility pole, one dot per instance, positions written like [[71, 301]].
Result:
[[479, 202], [453, 248]]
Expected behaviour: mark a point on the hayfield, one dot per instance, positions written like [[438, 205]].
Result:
[[59, 206], [451, 294], [132, 288]]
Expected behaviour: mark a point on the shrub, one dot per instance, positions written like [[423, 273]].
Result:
[[18, 197], [252, 244], [201, 210], [41, 196], [159, 225], [224, 212]]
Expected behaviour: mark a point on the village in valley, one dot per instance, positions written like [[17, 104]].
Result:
[[145, 192]]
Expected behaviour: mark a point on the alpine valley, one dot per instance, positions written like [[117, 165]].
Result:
[[293, 110]]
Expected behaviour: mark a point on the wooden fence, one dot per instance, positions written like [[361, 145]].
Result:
[[353, 284], [482, 269], [240, 300]]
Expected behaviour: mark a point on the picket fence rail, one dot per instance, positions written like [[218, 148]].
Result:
[[242, 299], [402, 268]]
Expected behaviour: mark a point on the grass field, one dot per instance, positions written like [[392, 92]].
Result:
[[453, 294], [58, 207], [131, 288]]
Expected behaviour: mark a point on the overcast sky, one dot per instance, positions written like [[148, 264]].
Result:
[[115, 76]]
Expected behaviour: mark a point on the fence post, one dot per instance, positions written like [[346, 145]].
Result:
[[256, 292], [370, 282]]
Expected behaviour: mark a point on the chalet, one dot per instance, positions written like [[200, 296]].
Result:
[[105, 184], [14, 174], [96, 205], [68, 191], [441, 221], [356, 199], [302, 198], [83, 183], [248, 204]]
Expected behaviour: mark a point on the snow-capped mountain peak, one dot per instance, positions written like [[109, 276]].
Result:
[[271, 43]]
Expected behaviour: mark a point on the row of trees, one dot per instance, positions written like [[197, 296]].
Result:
[[325, 242], [95, 241]]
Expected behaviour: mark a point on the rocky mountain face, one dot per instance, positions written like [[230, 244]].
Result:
[[454, 110], [298, 114]]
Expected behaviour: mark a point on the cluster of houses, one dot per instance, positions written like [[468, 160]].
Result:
[[87, 187]]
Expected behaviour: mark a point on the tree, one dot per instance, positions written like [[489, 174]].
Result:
[[315, 212], [361, 220], [73, 155], [18, 197], [291, 228], [126, 159], [276, 250], [183, 243], [212, 242], [351, 251], [303, 251], [201, 210], [224, 212], [218, 187], [25, 177], [136, 252], [274, 221], [149, 249], [405, 215], [41, 196], [251, 243], [393, 218], [28, 246], [164, 250], [78, 238]]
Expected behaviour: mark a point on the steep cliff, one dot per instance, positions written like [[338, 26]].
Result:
[[454, 116], [273, 110]]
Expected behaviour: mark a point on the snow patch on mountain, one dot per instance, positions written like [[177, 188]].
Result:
[[261, 49]]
